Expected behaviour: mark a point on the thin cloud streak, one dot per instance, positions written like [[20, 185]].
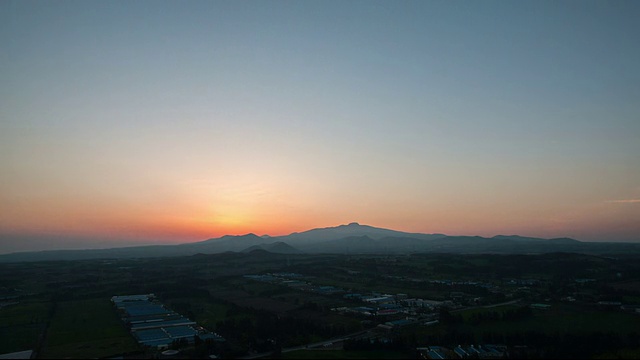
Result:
[[629, 201]]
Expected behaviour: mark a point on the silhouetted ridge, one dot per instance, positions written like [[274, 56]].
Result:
[[517, 238], [351, 238], [245, 236]]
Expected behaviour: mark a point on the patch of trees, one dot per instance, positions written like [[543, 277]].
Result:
[[275, 291], [447, 318], [178, 290]]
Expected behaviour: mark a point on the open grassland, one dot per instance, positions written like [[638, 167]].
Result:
[[558, 319], [24, 313], [21, 325], [204, 311], [87, 328], [91, 349], [19, 337], [562, 318]]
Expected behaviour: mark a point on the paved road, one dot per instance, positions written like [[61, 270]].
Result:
[[311, 345], [487, 306], [504, 303], [350, 336]]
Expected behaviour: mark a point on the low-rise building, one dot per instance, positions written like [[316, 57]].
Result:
[[154, 325]]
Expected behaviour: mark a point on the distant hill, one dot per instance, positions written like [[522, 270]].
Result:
[[517, 238], [230, 243], [352, 238]]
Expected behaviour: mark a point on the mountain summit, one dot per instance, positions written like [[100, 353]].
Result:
[[352, 229]]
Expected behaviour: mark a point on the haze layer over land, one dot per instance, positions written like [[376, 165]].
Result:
[[144, 122]]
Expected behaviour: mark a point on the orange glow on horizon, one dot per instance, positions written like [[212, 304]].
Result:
[[199, 212]]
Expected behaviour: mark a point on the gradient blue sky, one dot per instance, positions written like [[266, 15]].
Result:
[[127, 122]]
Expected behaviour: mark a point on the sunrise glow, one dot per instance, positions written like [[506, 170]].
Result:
[[170, 124]]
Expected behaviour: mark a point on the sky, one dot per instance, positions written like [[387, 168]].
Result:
[[139, 122]]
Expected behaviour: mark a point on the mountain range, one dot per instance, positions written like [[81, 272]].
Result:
[[352, 238]]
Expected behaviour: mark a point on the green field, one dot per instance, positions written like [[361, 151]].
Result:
[[561, 321], [24, 313], [19, 337], [21, 325], [91, 349], [86, 328], [561, 318], [206, 312]]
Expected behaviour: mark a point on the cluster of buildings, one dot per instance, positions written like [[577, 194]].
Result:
[[153, 325], [377, 304], [463, 352], [370, 304]]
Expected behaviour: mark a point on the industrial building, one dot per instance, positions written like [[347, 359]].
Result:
[[152, 324]]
